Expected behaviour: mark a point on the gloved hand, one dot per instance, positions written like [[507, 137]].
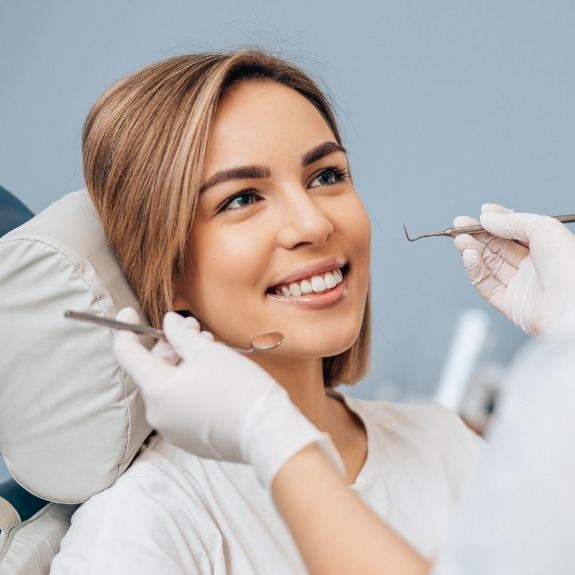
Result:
[[215, 402], [524, 266]]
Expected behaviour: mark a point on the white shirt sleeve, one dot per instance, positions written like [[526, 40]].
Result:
[[465, 448], [143, 526]]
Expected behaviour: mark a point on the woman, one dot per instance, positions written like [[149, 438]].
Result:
[[224, 190], [516, 518]]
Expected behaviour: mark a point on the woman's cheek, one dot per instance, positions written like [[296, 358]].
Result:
[[355, 222]]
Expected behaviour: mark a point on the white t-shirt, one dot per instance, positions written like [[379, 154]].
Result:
[[172, 512]]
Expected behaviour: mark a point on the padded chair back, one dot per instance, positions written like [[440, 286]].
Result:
[[71, 421], [30, 528], [13, 213]]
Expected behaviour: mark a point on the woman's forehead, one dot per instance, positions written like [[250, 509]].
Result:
[[263, 119]]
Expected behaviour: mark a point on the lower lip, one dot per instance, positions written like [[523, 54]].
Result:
[[315, 300]]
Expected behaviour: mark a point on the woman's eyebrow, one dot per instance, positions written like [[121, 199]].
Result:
[[320, 151], [254, 171], [239, 173]]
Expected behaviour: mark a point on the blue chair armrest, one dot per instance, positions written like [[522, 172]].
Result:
[[13, 212], [23, 502]]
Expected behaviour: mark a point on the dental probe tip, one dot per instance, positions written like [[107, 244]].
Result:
[[407, 235]]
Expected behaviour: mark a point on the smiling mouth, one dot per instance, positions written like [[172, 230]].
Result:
[[314, 285]]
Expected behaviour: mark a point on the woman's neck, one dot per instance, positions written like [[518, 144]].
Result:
[[303, 380]]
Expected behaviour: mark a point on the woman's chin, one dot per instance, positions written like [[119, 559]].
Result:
[[318, 347]]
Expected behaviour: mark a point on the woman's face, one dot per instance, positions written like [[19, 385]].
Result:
[[278, 211]]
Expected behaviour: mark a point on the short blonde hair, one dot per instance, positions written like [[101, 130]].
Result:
[[144, 147]]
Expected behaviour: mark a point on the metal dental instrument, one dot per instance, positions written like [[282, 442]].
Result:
[[263, 342], [477, 229]]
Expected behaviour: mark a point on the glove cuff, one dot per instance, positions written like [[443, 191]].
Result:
[[277, 431]]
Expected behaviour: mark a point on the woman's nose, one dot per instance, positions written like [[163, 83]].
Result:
[[303, 221]]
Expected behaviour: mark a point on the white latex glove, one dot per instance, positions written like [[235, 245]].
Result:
[[215, 402], [524, 266]]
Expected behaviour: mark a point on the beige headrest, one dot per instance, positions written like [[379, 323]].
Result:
[[70, 420]]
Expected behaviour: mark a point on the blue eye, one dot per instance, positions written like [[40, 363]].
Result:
[[329, 177], [239, 201], [245, 198]]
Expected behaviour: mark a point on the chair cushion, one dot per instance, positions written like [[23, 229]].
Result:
[[29, 547], [70, 420]]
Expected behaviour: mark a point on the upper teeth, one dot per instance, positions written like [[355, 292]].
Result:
[[314, 284]]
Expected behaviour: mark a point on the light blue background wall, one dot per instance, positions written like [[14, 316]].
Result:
[[444, 105]]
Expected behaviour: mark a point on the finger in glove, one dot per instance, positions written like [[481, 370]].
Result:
[[164, 350], [184, 335], [135, 358], [483, 279], [512, 226], [501, 269], [464, 221], [495, 208], [512, 252], [192, 323]]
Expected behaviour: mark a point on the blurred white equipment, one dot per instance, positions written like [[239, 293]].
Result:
[[471, 336]]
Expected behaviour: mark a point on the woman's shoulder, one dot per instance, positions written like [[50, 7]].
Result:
[[416, 416], [153, 479], [149, 515], [428, 425]]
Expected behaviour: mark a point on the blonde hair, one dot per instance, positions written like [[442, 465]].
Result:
[[144, 146]]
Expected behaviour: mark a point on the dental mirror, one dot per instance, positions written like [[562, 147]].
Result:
[[263, 342]]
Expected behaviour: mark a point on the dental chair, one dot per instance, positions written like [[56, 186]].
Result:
[[71, 421], [16, 504]]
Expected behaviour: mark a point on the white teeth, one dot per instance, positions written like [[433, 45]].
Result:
[[330, 281], [316, 284], [305, 286], [295, 289]]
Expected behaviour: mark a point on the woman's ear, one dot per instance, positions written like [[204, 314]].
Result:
[[180, 306], [179, 303]]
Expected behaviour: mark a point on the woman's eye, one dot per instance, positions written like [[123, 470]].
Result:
[[329, 177], [240, 200]]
